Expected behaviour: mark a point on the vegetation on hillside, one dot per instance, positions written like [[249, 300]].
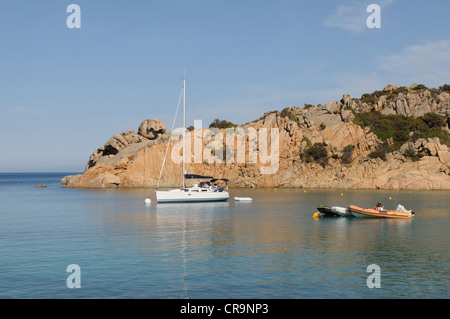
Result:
[[372, 98], [286, 112], [381, 151], [445, 87], [315, 153], [399, 127], [347, 154], [221, 124]]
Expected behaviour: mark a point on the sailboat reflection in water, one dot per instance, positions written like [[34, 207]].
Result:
[[204, 191]]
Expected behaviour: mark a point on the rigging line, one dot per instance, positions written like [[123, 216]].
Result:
[[168, 143]]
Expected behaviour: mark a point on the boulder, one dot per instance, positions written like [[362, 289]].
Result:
[[443, 155], [432, 146], [113, 146], [333, 107], [151, 129], [390, 88], [347, 115], [346, 100]]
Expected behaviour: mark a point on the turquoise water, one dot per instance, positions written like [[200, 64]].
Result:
[[268, 248]]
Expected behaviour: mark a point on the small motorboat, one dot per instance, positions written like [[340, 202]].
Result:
[[341, 211], [325, 211], [243, 199], [371, 212]]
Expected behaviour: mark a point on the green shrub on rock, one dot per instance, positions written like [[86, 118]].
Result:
[[317, 153]]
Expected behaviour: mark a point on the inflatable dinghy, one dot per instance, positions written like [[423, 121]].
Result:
[[370, 212]]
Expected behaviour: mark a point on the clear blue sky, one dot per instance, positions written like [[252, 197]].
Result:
[[64, 92]]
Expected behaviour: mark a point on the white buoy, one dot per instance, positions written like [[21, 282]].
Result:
[[148, 200]]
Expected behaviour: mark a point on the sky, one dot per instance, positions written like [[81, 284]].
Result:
[[65, 91]]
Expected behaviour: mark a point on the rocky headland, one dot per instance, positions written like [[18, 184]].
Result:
[[395, 138]]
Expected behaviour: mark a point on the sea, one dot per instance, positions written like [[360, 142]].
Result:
[[58, 243]]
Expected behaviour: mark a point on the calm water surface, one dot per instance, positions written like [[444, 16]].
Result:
[[271, 247]]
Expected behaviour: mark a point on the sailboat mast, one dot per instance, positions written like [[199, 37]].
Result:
[[184, 130]]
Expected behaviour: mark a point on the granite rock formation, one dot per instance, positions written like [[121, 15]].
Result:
[[134, 159]]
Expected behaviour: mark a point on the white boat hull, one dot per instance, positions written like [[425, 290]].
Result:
[[183, 196], [342, 211]]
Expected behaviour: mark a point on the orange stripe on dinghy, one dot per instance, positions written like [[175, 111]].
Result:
[[376, 213]]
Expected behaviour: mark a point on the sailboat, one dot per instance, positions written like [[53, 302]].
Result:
[[204, 191]]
